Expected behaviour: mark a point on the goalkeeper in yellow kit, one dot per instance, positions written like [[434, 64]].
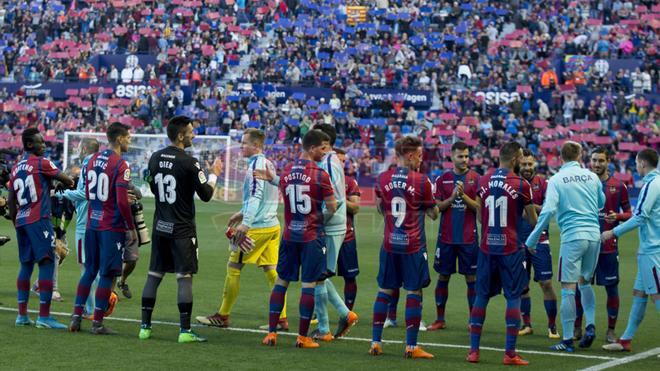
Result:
[[257, 221]]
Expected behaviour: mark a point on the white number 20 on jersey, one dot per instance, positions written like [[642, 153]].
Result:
[[98, 186]]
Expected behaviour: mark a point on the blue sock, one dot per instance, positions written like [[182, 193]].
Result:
[[588, 304], [551, 311], [103, 292], [567, 311], [413, 318], [471, 293], [23, 287], [512, 318], [89, 305], [526, 310], [380, 314], [46, 271], [636, 316], [276, 304], [321, 307], [89, 276], [393, 303], [657, 305], [335, 299], [477, 318]]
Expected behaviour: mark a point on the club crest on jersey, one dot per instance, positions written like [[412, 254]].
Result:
[[612, 189], [470, 181]]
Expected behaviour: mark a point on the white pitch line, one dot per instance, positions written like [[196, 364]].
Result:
[[621, 361], [437, 345]]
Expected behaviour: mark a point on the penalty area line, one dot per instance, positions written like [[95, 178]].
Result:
[[621, 361], [349, 338]]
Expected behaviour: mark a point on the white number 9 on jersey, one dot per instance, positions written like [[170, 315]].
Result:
[[398, 210]]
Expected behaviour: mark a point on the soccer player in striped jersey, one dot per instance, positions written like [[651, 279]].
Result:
[[541, 261], [347, 263], [455, 192], [109, 218], [503, 197], [257, 220], [616, 210], [646, 217], [29, 208], [306, 189], [404, 197]]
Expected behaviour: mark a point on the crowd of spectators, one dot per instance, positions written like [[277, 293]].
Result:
[[544, 51]]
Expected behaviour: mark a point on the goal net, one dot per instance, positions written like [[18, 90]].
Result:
[[206, 148]]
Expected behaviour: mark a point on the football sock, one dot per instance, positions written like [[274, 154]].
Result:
[[56, 269], [578, 309], [350, 292], [612, 305], [102, 297], [471, 293], [512, 318], [23, 287], [477, 318], [657, 305], [231, 290], [89, 304], [46, 271], [149, 298], [588, 303], [393, 303], [413, 318], [441, 294], [306, 310], [271, 277], [335, 299], [568, 312], [380, 315], [321, 308], [275, 306], [89, 276], [526, 310], [636, 316], [551, 311], [184, 301], [148, 305]]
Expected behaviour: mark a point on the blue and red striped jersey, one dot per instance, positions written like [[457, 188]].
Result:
[[352, 189], [304, 186], [404, 196], [30, 180], [504, 196], [539, 185], [458, 224], [108, 176], [616, 200]]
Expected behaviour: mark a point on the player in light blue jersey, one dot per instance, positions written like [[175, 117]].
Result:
[[88, 146], [335, 230], [257, 220], [575, 195], [646, 217]]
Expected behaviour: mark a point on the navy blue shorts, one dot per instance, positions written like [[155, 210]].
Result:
[[607, 270], [103, 251], [36, 242], [446, 255], [347, 263], [541, 262], [308, 257], [408, 270], [496, 273]]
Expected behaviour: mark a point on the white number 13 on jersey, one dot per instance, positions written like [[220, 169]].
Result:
[[501, 203], [166, 188]]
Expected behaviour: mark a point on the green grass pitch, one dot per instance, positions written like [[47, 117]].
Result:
[[31, 348]]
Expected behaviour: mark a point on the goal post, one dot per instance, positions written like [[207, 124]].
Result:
[[206, 148]]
